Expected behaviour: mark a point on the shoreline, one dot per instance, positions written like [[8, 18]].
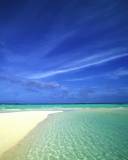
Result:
[[14, 126]]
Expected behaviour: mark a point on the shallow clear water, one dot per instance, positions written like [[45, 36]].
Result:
[[76, 135]]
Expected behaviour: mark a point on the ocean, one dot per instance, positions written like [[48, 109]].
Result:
[[81, 132], [21, 107]]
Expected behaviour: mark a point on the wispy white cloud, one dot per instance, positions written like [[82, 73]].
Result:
[[31, 84], [53, 42], [81, 79], [121, 72], [118, 73], [80, 64]]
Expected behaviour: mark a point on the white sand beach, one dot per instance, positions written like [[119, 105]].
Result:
[[14, 126]]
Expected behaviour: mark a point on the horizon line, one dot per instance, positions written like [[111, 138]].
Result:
[[63, 103]]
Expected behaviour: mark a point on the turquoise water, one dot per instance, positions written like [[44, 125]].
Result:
[[5, 107], [76, 135]]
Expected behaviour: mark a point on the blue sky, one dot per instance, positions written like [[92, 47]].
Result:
[[63, 51]]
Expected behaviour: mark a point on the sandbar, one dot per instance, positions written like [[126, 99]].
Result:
[[14, 126]]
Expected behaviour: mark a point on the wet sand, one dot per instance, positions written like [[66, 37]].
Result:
[[14, 126]]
